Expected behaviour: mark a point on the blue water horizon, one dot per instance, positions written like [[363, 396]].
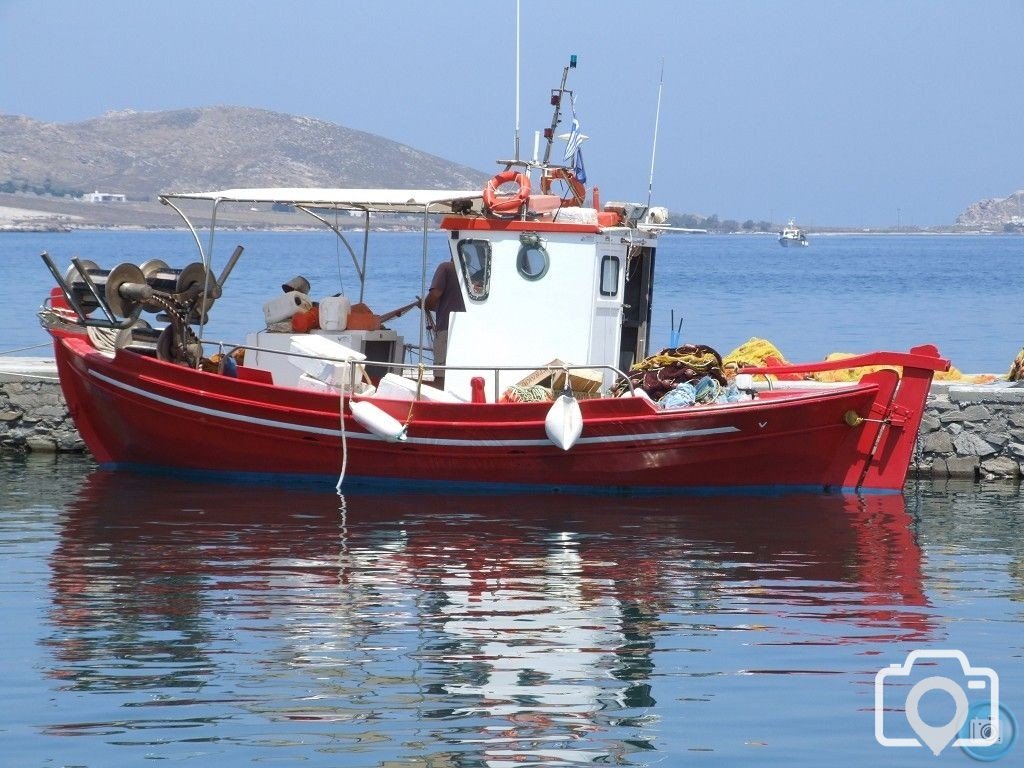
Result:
[[844, 293]]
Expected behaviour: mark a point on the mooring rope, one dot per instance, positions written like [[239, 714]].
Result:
[[21, 374], [344, 442], [25, 349]]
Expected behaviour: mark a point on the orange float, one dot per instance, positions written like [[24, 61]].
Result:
[[506, 204], [577, 190], [304, 322]]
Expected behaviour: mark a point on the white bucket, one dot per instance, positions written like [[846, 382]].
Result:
[[286, 305], [334, 313]]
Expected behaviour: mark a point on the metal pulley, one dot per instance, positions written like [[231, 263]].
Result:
[[151, 266], [125, 289], [188, 281], [163, 278], [75, 281], [122, 287]]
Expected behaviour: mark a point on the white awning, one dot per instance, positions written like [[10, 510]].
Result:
[[375, 200]]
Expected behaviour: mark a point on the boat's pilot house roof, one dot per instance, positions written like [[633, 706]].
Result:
[[370, 200]]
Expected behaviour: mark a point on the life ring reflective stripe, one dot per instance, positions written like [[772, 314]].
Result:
[[576, 188], [507, 203]]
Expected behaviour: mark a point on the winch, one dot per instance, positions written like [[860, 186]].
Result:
[[181, 297]]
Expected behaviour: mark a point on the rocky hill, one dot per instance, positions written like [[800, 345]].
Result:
[[994, 213], [141, 154]]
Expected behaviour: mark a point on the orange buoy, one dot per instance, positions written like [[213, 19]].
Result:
[[506, 204], [304, 322], [577, 191]]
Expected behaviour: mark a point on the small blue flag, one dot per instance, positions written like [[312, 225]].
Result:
[[577, 166]]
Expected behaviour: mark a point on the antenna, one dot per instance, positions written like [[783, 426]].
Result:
[[654, 145], [516, 153]]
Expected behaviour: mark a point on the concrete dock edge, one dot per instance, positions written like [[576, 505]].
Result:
[[33, 413]]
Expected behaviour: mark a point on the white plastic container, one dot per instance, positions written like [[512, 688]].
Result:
[[334, 313], [335, 371], [574, 215], [395, 387], [286, 305], [310, 384]]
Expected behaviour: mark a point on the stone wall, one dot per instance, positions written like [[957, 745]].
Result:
[[967, 431], [33, 413], [972, 431]]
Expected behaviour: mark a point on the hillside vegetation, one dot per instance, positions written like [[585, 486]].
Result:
[[141, 154]]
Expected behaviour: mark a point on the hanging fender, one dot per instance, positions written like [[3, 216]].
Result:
[[577, 191], [507, 204], [564, 422], [375, 421]]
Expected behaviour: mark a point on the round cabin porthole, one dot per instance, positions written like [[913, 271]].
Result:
[[532, 261]]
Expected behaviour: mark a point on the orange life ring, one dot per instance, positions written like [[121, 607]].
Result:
[[577, 190], [496, 203]]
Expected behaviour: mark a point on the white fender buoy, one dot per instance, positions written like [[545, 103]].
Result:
[[564, 422], [377, 422]]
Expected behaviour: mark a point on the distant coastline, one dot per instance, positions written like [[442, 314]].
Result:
[[37, 213]]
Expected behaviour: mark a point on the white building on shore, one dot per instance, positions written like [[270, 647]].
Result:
[[104, 197]]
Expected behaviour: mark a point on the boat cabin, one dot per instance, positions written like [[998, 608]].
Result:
[[538, 291]]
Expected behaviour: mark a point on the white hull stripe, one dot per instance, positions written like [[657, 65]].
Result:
[[275, 424]]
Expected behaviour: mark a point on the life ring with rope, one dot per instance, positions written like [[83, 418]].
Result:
[[576, 189], [506, 204]]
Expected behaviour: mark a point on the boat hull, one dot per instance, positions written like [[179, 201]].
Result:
[[136, 411]]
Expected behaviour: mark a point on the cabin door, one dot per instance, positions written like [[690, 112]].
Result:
[[607, 322], [636, 309]]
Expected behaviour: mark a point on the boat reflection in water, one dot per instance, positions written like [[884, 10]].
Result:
[[483, 629]]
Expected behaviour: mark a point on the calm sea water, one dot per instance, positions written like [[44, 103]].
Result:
[[845, 293], [204, 624], [237, 625]]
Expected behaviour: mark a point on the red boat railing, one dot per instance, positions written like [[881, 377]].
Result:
[[925, 357]]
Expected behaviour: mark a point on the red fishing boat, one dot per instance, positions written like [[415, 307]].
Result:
[[557, 291]]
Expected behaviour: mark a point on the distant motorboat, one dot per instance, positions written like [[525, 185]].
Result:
[[792, 235]]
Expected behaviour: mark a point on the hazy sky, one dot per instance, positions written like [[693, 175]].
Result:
[[830, 112]]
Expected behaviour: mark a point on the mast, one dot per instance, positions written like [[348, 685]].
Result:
[[556, 102]]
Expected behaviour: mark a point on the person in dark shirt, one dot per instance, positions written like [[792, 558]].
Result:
[[443, 298]]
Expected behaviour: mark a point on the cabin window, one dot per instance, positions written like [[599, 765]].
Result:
[[609, 275], [532, 261], [475, 263]]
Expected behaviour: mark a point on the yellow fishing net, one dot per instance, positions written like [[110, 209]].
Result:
[[752, 353], [1017, 369], [758, 352]]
